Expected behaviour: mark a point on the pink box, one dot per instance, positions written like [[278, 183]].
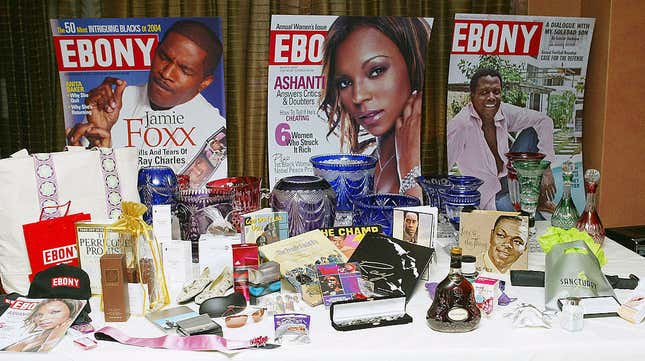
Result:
[[486, 293]]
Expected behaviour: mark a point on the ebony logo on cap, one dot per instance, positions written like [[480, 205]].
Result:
[[66, 282]]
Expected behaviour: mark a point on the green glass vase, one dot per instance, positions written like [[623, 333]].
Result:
[[529, 173]]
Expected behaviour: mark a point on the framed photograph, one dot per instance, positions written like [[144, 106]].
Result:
[[415, 225]]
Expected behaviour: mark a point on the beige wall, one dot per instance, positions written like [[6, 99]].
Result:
[[554, 7], [614, 118]]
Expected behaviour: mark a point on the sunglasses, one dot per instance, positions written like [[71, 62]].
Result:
[[240, 320], [223, 306]]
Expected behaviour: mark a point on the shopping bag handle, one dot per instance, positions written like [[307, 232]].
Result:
[[42, 211], [575, 250]]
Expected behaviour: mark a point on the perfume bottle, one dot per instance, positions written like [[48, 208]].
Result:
[[572, 315], [453, 308], [565, 215], [589, 220]]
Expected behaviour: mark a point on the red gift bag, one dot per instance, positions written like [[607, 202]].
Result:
[[52, 241]]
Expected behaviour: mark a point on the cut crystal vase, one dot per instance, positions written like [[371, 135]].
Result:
[[350, 175], [529, 173], [463, 193], [309, 201], [378, 209], [431, 187], [157, 185], [511, 175]]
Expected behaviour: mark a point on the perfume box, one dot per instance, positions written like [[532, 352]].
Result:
[[116, 302], [368, 313]]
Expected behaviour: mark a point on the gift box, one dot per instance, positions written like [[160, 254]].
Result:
[[368, 313], [487, 292]]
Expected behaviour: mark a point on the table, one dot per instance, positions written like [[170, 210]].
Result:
[[602, 338]]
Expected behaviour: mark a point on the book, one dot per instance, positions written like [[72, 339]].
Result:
[[90, 240], [25, 330], [346, 239], [264, 227], [338, 282], [298, 257], [499, 240], [393, 266]]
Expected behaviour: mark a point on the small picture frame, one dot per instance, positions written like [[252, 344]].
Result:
[[416, 225]]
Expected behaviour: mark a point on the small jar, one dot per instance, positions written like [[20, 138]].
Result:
[[468, 267], [572, 315]]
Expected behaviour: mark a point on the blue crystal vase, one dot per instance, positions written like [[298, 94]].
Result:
[[431, 187], [350, 175], [157, 186], [462, 193], [376, 209]]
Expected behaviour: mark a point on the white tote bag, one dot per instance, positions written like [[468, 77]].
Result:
[[95, 181]]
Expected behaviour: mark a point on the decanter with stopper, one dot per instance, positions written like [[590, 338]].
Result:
[[589, 220], [565, 215], [453, 308]]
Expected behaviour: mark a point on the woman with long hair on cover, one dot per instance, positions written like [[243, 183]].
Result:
[[374, 72], [46, 325]]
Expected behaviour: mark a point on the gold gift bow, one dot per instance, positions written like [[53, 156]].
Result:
[[131, 221]]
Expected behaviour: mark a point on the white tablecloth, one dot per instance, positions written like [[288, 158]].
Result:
[[603, 339]]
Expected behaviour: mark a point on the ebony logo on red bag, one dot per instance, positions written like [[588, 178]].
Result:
[[66, 282], [60, 254]]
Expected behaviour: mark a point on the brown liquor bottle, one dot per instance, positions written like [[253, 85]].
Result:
[[453, 308]]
